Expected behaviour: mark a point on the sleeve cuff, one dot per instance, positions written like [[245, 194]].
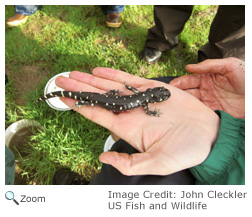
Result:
[[226, 161]]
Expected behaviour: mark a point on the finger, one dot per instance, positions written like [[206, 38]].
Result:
[[134, 164], [194, 92], [118, 76], [219, 66], [186, 82], [74, 85], [100, 83]]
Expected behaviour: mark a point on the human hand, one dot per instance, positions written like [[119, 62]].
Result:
[[180, 138], [218, 83]]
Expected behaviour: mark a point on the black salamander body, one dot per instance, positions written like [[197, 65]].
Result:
[[113, 101]]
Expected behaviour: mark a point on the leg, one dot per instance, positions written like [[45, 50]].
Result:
[[169, 22], [113, 93], [136, 91], [27, 10], [79, 103], [108, 9], [227, 34], [152, 113]]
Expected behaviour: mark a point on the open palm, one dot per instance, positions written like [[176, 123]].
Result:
[[181, 137], [220, 84]]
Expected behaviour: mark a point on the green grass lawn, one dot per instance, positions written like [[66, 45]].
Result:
[[66, 38]]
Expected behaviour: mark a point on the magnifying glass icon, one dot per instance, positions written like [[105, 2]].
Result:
[[9, 195]]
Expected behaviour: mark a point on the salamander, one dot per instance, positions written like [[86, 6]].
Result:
[[115, 102]]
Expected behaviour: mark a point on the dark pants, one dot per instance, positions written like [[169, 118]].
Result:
[[226, 37], [111, 176]]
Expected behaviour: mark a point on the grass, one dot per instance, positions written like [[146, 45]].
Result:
[[66, 38]]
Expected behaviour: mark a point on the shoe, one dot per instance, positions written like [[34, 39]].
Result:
[[151, 55], [114, 20], [17, 20], [65, 176]]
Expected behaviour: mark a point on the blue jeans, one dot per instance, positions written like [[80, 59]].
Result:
[[108, 9], [26, 10]]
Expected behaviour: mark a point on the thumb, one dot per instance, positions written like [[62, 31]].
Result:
[[134, 164], [186, 82]]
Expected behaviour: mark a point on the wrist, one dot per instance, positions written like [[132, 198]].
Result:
[[212, 125], [216, 121], [227, 156]]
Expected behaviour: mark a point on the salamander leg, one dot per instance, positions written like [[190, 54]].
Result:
[[79, 103], [136, 91], [113, 93], [149, 112]]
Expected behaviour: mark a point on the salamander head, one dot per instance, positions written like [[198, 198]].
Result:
[[158, 94]]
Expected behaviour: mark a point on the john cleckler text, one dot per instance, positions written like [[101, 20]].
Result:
[[168, 200]]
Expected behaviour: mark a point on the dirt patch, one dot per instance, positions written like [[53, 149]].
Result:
[[30, 77]]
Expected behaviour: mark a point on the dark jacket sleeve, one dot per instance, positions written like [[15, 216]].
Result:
[[9, 166], [225, 164]]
